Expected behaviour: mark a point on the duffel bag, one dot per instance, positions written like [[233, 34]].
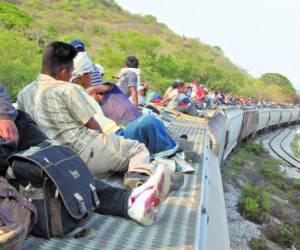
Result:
[[58, 183]]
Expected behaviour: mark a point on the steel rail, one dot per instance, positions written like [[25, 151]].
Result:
[[285, 156]]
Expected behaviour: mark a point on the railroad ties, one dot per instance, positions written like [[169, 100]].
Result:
[[278, 145]]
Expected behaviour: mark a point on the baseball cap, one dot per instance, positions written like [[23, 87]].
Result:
[[77, 44]]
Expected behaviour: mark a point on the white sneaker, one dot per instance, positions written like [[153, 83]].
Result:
[[176, 164], [145, 199], [177, 178], [167, 163], [183, 166]]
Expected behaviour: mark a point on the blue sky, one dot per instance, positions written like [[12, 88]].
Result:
[[258, 35]]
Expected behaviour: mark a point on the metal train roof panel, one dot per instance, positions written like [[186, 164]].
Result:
[[179, 216]]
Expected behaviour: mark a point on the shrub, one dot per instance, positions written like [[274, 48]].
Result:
[[252, 146], [283, 234], [258, 244], [296, 184], [20, 61], [254, 204], [11, 16]]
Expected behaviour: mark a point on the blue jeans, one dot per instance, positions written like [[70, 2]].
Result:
[[150, 131]]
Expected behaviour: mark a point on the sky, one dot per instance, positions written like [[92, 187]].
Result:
[[258, 35]]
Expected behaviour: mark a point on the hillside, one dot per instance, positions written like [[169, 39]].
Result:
[[111, 34]]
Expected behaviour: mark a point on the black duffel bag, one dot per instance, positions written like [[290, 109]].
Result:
[[58, 183]]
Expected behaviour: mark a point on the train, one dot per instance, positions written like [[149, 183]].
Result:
[[194, 216], [230, 126]]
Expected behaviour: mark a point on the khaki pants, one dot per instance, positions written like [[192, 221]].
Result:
[[108, 154]]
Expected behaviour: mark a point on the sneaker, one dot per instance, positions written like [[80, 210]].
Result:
[[177, 179], [134, 179], [176, 164], [166, 162], [182, 166], [145, 199]]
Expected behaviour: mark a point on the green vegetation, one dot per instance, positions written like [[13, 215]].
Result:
[[254, 204], [111, 34], [258, 244], [295, 146], [242, 157], [266, 194], [11, 16], [253, 147], [284, 234]]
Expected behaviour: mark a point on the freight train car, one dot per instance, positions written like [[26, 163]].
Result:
[[249, 125]]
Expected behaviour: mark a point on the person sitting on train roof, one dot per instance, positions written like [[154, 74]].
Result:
[[198, 95], [64, 113], [109, 96], [140, 204], [98, 70], [146, 129], [175, 98], [142, 93], [129, 79]]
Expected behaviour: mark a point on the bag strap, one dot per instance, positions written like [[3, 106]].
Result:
[[6, 216], [11, 193]]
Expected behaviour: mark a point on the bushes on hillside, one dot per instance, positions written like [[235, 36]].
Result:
[[19, 61], [254, 204], [111, 35], [11, 16]]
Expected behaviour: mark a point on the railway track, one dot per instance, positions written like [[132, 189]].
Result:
[[276, 144]]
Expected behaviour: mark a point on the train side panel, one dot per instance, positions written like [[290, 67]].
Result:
[[294, 115], [234, 118], [275, 116], [217, 129], [263, 119], [285, 116], [250, 121]]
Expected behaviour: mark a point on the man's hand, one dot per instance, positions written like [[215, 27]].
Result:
[[9, 131]]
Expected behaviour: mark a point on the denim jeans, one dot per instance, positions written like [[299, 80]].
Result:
[[150, 131]]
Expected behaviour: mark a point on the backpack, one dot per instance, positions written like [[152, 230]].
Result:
[[17, 216], [58, 183]]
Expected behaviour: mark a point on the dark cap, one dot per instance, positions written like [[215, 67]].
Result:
[[77, 44]]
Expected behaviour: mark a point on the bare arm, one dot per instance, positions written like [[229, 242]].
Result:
[[165, 100], [93, 124], [8, 129], [99, 89], [134, 95]]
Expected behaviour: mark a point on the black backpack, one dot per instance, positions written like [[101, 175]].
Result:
[[58, 183]]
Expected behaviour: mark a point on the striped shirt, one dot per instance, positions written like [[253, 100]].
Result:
[[60, 109], [97, 74]]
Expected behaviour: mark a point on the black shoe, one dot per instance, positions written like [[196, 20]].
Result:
[[135, 179]]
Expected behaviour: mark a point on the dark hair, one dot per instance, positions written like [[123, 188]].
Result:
[[177, 84], [132, 62], [58, 56], [79, 49]]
